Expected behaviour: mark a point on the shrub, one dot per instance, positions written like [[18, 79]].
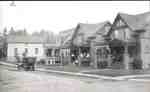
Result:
[[102, 64], [137, 63]]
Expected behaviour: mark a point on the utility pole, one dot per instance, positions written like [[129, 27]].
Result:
[[12, 3]]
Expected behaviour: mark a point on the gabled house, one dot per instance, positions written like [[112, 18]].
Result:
[[83, 41], [130, 40]]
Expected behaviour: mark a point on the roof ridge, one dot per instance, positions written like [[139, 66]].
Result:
[[95, 23], [144, 13]]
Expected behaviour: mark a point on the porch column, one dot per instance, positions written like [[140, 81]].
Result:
[[126, 57], [61, 56], [79, 57], [95, 58], [68, 55], [109, 60]]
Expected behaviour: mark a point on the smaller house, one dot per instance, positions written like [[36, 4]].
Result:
[[83, 41], [32, 45]]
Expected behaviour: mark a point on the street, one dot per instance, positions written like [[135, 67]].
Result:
[[12, 80]]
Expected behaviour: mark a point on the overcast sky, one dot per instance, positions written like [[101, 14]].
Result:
[[61, 15]]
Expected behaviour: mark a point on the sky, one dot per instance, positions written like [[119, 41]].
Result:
[[58, 16]]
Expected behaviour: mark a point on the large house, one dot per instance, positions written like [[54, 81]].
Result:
[[32, 45], [130, 40]]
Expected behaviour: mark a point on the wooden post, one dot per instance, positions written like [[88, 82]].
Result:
[[95, 57], [126, 57], [79, 57], [61, 56]]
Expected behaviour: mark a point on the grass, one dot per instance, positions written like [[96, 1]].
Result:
[[121, 72]]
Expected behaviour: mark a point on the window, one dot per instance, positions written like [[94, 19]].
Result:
[[26, 50], [15, 51], [56, 52], [49, 52], [36, 50]]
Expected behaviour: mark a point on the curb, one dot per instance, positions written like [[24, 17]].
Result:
[[140, 80], [80, 74], [129, 77]]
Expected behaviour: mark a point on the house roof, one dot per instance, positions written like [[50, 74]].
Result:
[[24, 39], [47, 45], [138, 21], [88, 32]]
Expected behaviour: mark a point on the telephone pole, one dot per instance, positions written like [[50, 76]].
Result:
[[12, 3]]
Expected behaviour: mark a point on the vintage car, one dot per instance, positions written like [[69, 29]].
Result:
[[27, 63]]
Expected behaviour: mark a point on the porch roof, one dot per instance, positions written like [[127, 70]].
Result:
[[51, 45], [116, 43], [25, 39]]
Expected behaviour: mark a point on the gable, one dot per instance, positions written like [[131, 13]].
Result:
[[119, 22]]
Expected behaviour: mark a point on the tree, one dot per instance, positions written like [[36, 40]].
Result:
[[35, 34], [18, 32], [12, 31], [25, 32], [5, 42], [5, 32]]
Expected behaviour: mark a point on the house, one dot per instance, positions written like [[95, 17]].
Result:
[[83, 38], [130, 38], [32, 45]]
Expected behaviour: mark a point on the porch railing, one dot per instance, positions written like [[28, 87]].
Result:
[[55, 60]]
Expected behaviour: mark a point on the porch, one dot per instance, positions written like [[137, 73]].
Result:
[[125, 55]]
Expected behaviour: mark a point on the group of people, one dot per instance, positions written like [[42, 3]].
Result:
[[77, 58]]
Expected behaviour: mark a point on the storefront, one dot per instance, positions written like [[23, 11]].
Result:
[[65, 55], [52, 55]]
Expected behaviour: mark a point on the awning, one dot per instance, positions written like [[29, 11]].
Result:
[[116, 43]]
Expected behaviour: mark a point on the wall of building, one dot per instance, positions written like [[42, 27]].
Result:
[[145, 49], [21, 49]]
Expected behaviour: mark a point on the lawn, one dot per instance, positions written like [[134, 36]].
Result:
[[120, 72]]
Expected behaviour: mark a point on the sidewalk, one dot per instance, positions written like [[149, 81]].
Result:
[[137, 77]]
